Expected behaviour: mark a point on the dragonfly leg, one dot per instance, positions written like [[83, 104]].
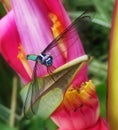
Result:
[[50, 70]]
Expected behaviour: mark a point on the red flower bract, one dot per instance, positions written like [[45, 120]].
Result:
[[79, 109], [9, 42]]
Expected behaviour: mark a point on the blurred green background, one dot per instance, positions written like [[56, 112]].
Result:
[[96, 43]]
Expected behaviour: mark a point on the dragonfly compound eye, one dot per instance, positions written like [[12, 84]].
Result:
[[49, 61]]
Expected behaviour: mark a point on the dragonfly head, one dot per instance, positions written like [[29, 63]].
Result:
[[45, 59], [49, 61]]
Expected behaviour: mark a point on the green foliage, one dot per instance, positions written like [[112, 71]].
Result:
[[102, 9], [2, 10], [4, 113], [37, 123], [96, 43], [6, 127], [6, 76], [101, 91]]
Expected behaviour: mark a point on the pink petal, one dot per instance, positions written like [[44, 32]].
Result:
[[9, 42], [81, 76], [100, 125], [74, 50], [56, 7], [32, 24], [34, 27]]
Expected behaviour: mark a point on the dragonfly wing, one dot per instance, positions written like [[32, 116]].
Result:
[[71, 29], [67, 42], [27, 103], [32, 94]]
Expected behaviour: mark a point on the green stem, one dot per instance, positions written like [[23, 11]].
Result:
[[112, 103], [13, 102]]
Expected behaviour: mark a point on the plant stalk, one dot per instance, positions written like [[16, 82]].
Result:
[[13, 102]]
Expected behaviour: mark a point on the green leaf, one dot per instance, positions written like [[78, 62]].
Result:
[[37, 123], [5, 114], [101, 21], [2, 10], [101, 91], [104, 9], [5, 127], [52, 89]]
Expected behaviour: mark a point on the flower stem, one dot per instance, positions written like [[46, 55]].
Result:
[[13, 102]]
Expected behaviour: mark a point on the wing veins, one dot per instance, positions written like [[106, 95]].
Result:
[[72, 26]]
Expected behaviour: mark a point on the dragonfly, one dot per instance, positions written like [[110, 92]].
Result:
[[46, 59]]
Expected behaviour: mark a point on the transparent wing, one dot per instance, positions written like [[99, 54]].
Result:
[[35, 92], [27, 103], [71, 29], [31, 96]]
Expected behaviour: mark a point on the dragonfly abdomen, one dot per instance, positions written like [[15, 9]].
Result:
[[31, 57]]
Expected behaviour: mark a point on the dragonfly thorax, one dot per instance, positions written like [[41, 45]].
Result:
[[45, 59]]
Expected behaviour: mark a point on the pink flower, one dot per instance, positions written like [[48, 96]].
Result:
[[9, 43], [31, 26], [80, 110], [46, 21]]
